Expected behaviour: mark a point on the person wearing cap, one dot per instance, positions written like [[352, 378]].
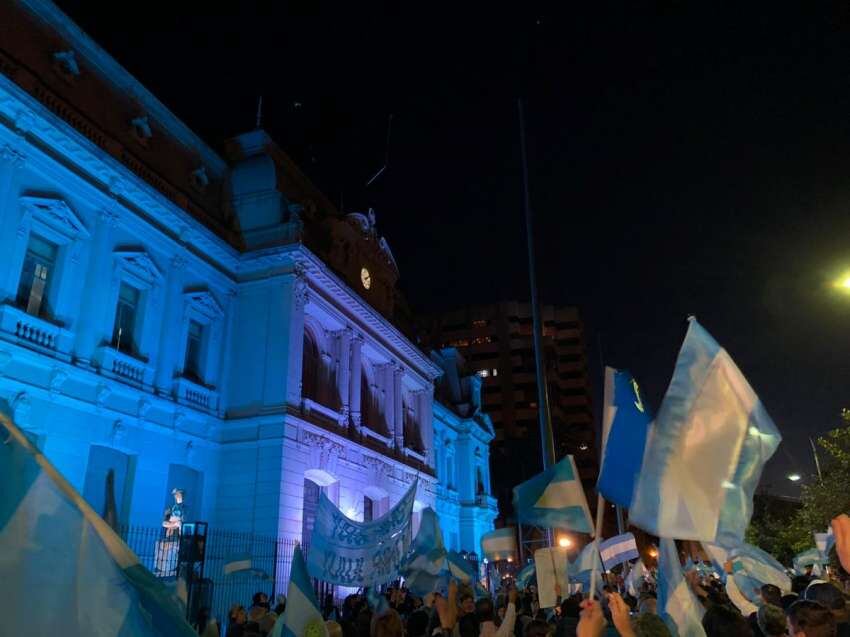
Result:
[[832, 598], [771, 620]]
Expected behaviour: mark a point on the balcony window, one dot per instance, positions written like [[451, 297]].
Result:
[[36, 275], [124, 332], [194, 344]]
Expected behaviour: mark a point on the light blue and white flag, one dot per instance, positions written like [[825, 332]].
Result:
[[525, 576], [580, 571], [809, 557], [427, 558], [460, 568], [618, 549], [55, 548], [554, 499], [705, 451], [635, 578], [499, 544], [824, 542], [626, 421], [302, 617], [360, 554], [677, 605], [719, 557], [760, 566]]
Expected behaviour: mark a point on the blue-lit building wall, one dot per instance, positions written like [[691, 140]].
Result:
[[209, 387]]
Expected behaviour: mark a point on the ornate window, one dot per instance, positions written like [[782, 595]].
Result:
[[201, 327], [310, 366], [370, 407], [38, 272], [136, 283]]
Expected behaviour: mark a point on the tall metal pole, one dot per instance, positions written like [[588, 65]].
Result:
[[547, 443], [817, 460]]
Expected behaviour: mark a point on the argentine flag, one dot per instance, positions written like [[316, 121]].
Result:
[[524, 577], [824, 542], [55, 549], [677, 605], [554, 499], [759, 566], [809, 557], [626, 421], [635, 578], [302, 617], [706, 450], [460, 568], [581, 569], [618, 549], [499, 544]]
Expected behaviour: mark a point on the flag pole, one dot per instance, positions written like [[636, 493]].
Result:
[[547, 444], [600, 514]]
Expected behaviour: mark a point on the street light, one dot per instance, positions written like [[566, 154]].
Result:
[[564, 542], [794, 477], [843, 282]]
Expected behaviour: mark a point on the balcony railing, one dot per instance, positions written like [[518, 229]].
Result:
[[33, 330], [124, 367], [195, 395]]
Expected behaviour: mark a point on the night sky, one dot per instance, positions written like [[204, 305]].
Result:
[[685, 158]]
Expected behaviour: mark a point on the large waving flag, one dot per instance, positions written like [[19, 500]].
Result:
[[55, 548], [581, 570], [618, 549], [499, 544], [554, 499], [677, 605], [525, 576], [460, 568], [759, 566], [302, 617], [625, 425], [426, 561], [635, 578], [706, 450]]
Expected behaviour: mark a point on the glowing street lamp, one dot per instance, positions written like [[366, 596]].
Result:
[[653, 552], [794, 477], [843, 283], [564, 542]]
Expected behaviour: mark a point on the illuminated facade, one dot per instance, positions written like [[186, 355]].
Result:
[[187, 319]]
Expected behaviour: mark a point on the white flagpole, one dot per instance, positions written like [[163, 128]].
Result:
[[600, 514]]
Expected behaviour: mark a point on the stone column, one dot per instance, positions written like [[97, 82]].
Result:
[[174, 323], [356, 343], [384, 388], [300, 296], [425, 422], [91, 325], [397, 405], [11, 160], [343, 374]]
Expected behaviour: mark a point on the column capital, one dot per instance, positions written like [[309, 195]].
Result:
[[179, 262], [356, 336], [109, 218], [300, 293]]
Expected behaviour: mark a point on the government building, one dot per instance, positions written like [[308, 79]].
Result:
[[204, 320]]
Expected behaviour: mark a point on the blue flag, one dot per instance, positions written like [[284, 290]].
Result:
[[705, 451], [302, 617], [677, 605], [626, 422], [618, 549], [55, 548], [809, 557], [554, 499]]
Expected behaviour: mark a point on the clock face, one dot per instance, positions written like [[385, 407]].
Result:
[[365, 278]]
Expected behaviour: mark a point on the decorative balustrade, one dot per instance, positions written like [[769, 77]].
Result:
[[195, 394], [33, 330], [123, 367]]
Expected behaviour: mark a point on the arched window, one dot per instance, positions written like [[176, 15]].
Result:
[[310, 366]]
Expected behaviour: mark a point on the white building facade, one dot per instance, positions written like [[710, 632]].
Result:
[[187, 335]]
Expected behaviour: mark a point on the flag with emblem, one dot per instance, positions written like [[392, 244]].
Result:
[[626, 421], [554, 499]]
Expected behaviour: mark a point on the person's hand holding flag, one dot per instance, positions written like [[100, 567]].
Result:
[[620, 615]]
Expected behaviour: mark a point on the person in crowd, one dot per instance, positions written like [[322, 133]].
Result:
[[650, 625], [771, 620], [647, 605], [333, 628], [810, 619], [721, 620], [832, 598], [237, 621], [769, 595], [486, 618], [260, 618], [387, 624], [536, 628], [787, 600], [568, 622], [280, 605]]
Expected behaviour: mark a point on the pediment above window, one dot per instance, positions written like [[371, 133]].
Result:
[[139, 264], [205, 304], [55, 218]]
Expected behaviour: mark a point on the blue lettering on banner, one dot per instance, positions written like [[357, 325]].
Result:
[[360, 554]]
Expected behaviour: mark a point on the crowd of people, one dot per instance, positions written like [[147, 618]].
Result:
[[814, 608]]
